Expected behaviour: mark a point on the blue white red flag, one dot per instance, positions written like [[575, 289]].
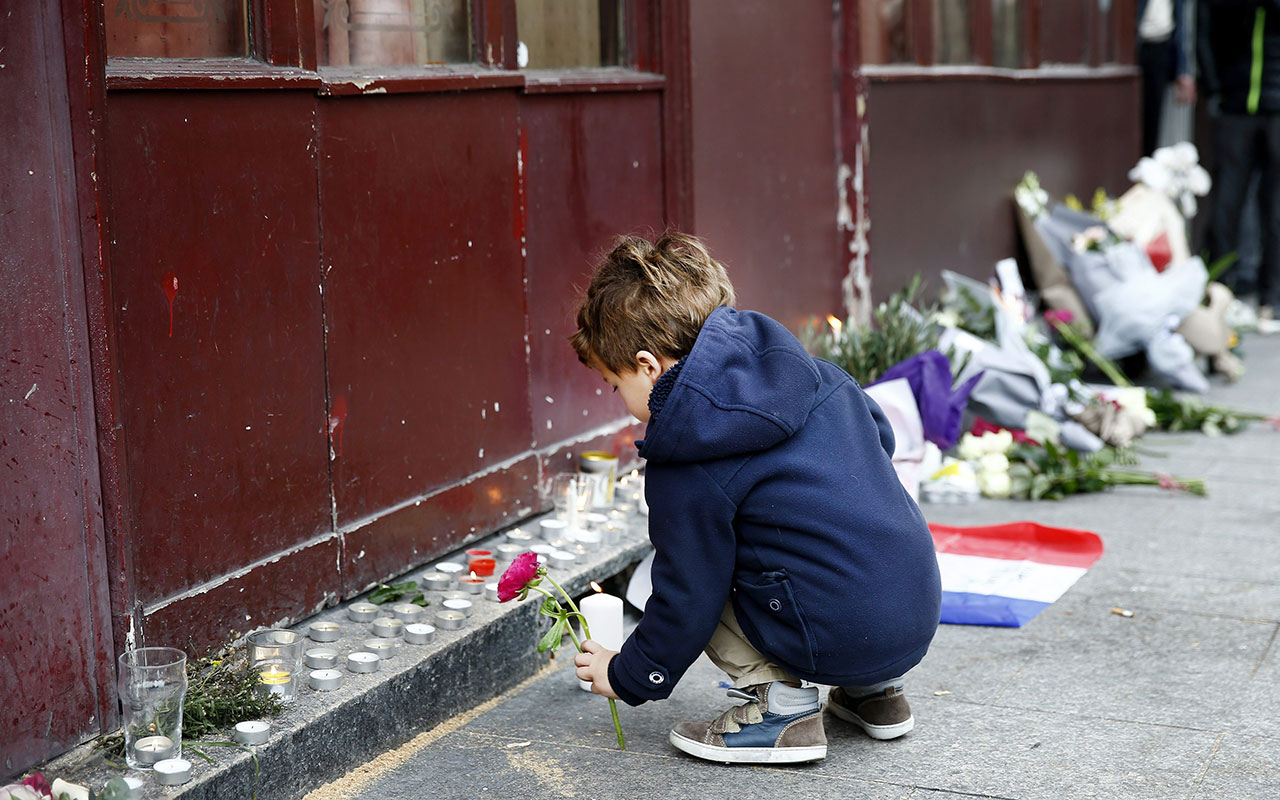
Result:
[[1006, 574]]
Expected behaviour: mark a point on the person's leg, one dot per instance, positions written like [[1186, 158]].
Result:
[[880, 709], [1153, 58], [736, 657], [1269, 216], [1234, 161], [780, 722]]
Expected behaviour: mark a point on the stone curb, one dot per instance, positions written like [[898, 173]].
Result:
[[323, 735]]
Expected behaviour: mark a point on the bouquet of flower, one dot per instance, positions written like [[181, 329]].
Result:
[[1181, 412], [525, 575], [1050, 472]]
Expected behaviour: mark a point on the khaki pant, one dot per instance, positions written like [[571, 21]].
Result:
[[730, 651]]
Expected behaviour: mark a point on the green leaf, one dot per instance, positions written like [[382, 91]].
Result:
[[420, 599], [550, 607], [551, 641]]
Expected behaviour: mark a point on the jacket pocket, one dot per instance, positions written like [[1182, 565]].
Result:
[[768, 607]]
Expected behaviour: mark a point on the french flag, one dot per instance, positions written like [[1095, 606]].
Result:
[[1006, 574]]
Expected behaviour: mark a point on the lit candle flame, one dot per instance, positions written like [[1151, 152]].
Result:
[[473, 575], [836, 324], [596, 586]]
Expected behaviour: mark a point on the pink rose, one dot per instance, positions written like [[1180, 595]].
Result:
[[1061, 315], [522, 570]]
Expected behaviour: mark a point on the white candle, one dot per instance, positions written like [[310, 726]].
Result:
[[173, 771], [325, 680], [362, 661], [604, 618], [252, 732]]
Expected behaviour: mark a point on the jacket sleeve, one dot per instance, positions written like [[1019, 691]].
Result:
[[691, 526]]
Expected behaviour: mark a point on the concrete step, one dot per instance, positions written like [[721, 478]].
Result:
[[323, 735]]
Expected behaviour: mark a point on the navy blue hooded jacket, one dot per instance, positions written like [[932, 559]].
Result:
[[769, 481]]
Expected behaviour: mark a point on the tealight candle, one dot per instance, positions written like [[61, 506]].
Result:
[[595, 520], [150, 749], [589, 540], [450, 620], [483, 567], [252, 732], [456, 594], [325, 680], [519, 536], [471, 584], [173, 771], [507, 551], [491, 591], [612, 532], [321, 658], [562, 559], [437, 581], [408, 612], [622, 510], [388, 627], [362, 661], [553, 529], [382, 648], [449, 567], [275, 679], [419, 633], [362, 612], [543, 549], [461, 606], [324, 631]]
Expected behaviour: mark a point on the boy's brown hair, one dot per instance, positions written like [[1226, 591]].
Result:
[[651, 296]]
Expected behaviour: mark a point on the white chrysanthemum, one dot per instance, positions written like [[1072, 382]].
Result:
[[994, 484], [971, 448], [994, 462]]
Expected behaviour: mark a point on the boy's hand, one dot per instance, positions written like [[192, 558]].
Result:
[[593, 666]]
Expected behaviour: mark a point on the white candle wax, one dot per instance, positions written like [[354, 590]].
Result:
[[604, 618], [173, 771], [252, 732]]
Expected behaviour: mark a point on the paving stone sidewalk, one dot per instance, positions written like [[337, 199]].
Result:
[[1181, 700]]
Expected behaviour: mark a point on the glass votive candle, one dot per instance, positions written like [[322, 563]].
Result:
[[276, 657]]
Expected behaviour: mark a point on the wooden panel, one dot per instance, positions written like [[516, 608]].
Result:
[[593, 171], [56, 672], [931, 209], [764, 150], [424, 295], [216, 270], [1064, 32]]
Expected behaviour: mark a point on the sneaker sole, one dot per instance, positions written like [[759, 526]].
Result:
[[881, 732], [748, 755]]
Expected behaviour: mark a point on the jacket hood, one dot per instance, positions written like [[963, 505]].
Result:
[[747, 385]]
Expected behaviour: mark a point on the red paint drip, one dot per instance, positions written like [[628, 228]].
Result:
[[170, 285], [337, 416]]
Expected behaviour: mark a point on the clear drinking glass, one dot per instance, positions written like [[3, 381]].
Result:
[[571, 494], [276, 657], [152, 683]]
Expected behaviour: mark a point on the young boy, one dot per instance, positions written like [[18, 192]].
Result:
[[785, 545]]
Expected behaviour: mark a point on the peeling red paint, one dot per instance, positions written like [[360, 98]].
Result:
[[337, 416]]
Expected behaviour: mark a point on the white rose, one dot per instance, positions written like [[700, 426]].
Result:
[[997, 442], [994, 484], [971, 448], [994, 462]]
